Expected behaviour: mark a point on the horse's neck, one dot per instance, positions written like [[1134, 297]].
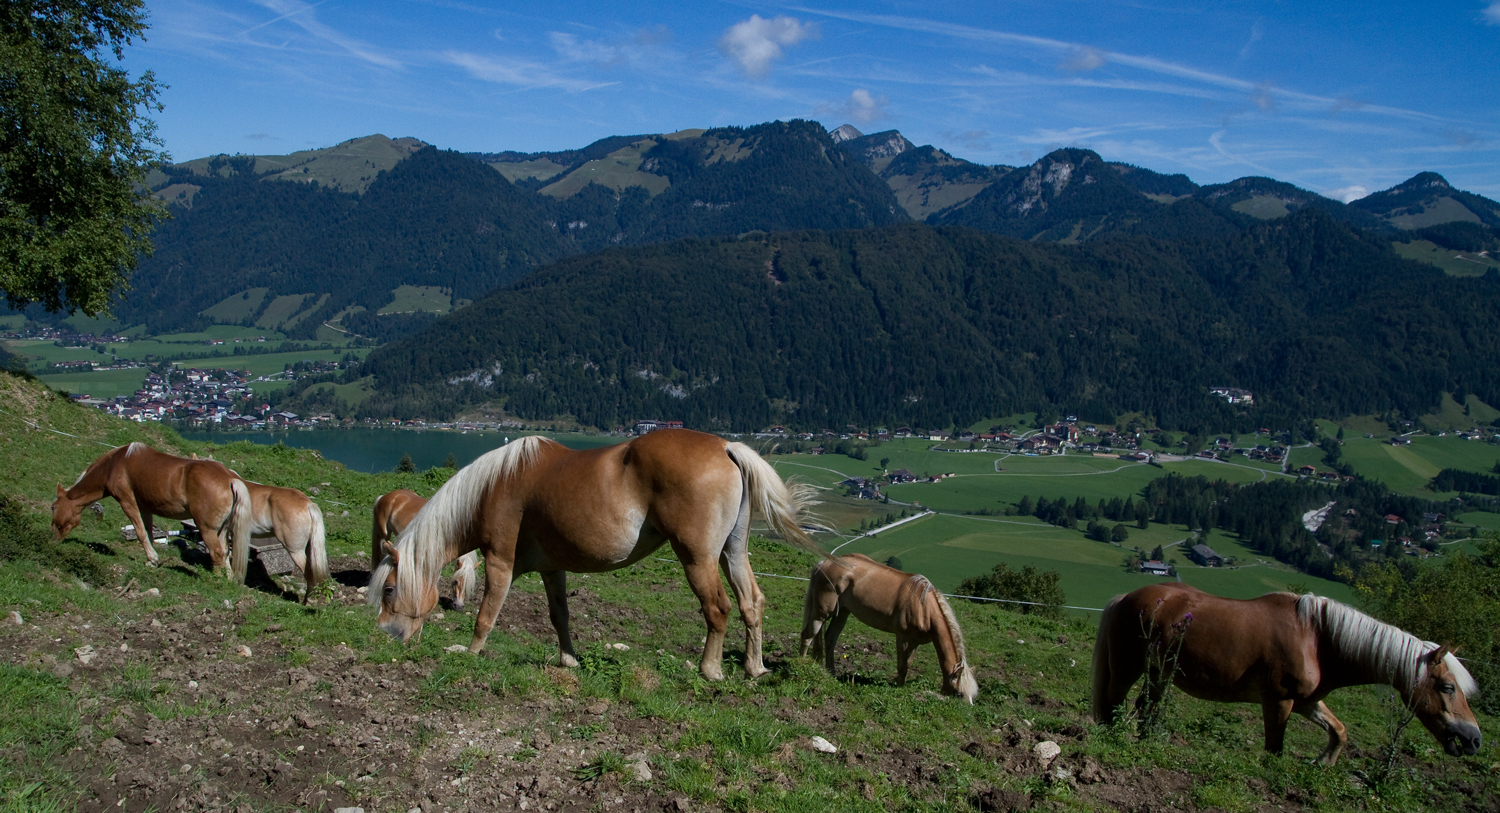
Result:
[[94, 483], [1339, 669], [943, 639]]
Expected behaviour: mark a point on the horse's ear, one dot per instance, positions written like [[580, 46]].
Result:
[[390, 550], [1435, 657], [61, 492]]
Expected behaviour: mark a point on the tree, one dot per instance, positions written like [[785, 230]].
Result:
[[75, 146], [1156, 553], [406, 466], [451, 462], [884, 462], [1119, 534], [1025, 585]]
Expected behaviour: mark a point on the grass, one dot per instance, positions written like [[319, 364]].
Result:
[[721, 745], [619, 170], [518, 170], [1453, 263], [280, 310], [431, 298], [237, 307], [99, 384]]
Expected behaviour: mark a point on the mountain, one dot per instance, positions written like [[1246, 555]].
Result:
[[445, 227], [925, 180], [1427, 199], [936, 326]]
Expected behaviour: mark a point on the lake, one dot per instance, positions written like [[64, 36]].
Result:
[[372, 450]]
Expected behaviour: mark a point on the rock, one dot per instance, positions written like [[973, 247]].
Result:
[[621, 647], [155, 623], [639, 770], [820, 744], [153, 592], [243, 651], [124, 647], [14, 619], [597, 707], [1046, 751], [348, 810], [362, 589], [61, 670], [456, 648], [229, 604], [192, 684], [86, 654]]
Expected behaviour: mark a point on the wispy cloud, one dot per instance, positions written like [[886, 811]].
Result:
[[1348, 194], [755, 43], [861, 106], [1257, 31], [1492, 13], [518, 73], [1084, 60], [301, 15]]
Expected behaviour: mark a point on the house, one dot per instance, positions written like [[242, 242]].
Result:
[[1307, 471], [1392, 519], [1063, 431], [903, 476], [1204, 555], [1156, 568]]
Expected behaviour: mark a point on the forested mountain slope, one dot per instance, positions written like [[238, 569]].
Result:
[[940, 326]]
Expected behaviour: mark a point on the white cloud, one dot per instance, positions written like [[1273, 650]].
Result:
[[300, 14], [1492, 13], [861, 106], [1257, 31], [1083, 60], [755, 43], [520, 73], [570, 47], [1347, 194]]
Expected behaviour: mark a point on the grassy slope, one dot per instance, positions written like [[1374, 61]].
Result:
[[735, 745], [1454, 263]]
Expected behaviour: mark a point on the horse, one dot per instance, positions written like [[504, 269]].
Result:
[[1284, 651], [536, 506], [393, 512], [889, 600], [146, 482], [296, 521]]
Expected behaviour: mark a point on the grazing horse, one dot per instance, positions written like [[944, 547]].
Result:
[[1283, 651], [393, 512], [288, 515], [905, 604], [536, 506], [146, 482]]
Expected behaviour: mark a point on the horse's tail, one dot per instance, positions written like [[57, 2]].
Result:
[[781, 503], [812, 623], [317, 552], [1101, 707], [241, 519]]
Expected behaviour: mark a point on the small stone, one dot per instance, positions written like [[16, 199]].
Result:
[[820, 744], [639, 771], [415, 810], [228, 603], [187, 769], [1046, 751], [621, 647], [155, 623], [597, 707], [345, 514], [362, 589], [243, 651], [14, 619], [456, 648], [348, 809], [86, 654], [153, 592], [192, 684], [437, 616]]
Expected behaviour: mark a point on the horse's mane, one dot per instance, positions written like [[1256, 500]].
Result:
[[954, 630], [1396, 655], [449, 515], [124, 451]]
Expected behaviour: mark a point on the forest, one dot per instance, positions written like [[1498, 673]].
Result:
[[946, 326]]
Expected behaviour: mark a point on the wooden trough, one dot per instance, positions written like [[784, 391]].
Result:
[[268, 550]]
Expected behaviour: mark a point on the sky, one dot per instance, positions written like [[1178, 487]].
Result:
[[1342, 98]]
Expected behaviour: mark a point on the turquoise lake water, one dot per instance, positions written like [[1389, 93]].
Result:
[[372, 450]]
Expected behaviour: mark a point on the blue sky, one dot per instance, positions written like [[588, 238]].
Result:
[[1337, 97]]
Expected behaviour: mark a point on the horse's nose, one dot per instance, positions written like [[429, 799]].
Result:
[[1466, 740]]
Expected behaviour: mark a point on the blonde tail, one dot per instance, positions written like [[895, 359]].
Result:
[[241, 518], [780, 503], [317, 552]]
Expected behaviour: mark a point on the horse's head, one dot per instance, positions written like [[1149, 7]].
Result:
[[401, 610], [960, 682], [1438, 700], [66, 514]]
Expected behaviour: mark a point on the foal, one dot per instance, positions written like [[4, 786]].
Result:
[[393, 512], [891, 601]]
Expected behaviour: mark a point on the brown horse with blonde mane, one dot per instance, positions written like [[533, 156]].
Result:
[[536, 506], [905, 604], [1283, 651], [393, 512], [297, 522], [146, 482]]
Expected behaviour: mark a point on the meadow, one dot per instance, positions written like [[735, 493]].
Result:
[[317, 709]]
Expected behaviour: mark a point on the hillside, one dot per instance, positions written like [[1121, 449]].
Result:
[[254, 700], [938, 327]]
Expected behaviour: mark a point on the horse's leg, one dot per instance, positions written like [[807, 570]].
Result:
[[703, 578], [556, 582], [497, 575], [1337, 738], [1275, 713], [217, 552], [831, 631], [736, 565], [905, 648], [142, 523]]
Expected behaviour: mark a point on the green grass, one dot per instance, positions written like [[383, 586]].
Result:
[[1408, 469], [99, 384], [619, 170], [237, 307], [517, 170], [280, 310], [431, 298]]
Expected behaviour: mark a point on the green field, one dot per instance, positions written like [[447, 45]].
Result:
[[99, 384], [1408, 469], [237, 307], [1453, 263], [619, 170], [430, 298]]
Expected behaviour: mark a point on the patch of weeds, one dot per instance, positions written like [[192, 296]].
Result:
[[1229, 796], [525, 754], [28, 799], [585, 732], [134, 685], [607, 763], [23, 538], [469, 757]]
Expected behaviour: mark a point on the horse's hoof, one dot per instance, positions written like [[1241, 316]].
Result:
[[567, 662], [752, 674]]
